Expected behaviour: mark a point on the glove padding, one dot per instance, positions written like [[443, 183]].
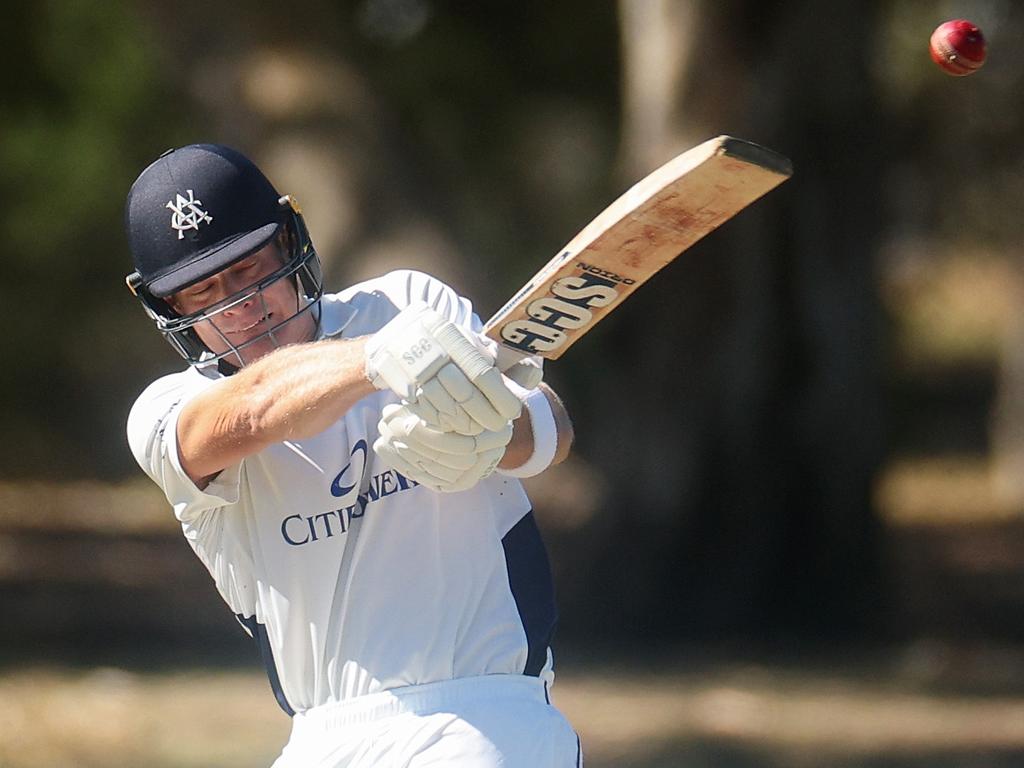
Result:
[[433, 363], [442, 461]]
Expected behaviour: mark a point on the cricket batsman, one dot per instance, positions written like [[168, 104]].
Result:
[[347, 467]]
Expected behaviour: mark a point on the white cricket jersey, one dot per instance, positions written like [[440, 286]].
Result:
[[352, 578]]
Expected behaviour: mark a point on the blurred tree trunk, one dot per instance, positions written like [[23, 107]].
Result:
[[748, 496]]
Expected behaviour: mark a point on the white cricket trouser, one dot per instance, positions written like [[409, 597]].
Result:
[[492, 721]]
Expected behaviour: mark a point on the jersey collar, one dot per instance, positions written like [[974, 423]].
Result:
[[335, 316]]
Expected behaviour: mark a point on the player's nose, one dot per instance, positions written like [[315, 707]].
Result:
[[240, 307], [243, 305]]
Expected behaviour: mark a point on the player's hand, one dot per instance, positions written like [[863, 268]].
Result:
[[442, 461], [526, 371], [434, 364]]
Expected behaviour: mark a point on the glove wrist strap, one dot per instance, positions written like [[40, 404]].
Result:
[[545, 434]]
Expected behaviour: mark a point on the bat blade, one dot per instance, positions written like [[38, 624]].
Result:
[[653, 222]]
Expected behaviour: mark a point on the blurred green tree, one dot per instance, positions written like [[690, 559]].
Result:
[[84, 100]]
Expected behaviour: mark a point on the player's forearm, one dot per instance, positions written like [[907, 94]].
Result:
[[293, 393], [307, 388]]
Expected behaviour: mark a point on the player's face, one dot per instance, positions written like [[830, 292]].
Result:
[[244, 321]]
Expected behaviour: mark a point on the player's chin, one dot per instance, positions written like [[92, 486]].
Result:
[[253, 350], [240, 350], [246, 347]]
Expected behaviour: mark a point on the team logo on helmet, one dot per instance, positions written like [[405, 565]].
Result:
[[186, 213]]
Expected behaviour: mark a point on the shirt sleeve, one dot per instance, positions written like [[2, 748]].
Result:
[[152, 437], [440, 297]]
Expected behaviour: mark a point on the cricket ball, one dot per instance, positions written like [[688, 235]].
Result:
[[958, 47]]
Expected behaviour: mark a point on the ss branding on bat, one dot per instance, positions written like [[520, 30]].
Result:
[[567, 307]]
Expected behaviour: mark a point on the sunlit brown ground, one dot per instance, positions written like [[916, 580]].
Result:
[[722, 715]]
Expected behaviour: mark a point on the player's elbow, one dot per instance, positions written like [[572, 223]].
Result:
[[214, 434]]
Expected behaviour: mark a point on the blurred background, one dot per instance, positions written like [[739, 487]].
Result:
[[792, 533]]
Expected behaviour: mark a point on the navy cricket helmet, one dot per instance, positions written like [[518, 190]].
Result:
[[197, 210]]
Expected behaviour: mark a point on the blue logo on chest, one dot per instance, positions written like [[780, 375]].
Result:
[[300, 529], [339, 490]]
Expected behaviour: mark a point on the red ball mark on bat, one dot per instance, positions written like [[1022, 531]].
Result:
[[958, 47]]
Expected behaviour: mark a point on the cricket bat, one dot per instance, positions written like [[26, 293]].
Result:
[[643, 230]]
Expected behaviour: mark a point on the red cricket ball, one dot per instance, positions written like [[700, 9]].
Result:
[[958, 47]]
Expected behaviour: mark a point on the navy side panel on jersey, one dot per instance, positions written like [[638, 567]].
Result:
[[529, 575], [259, 634]]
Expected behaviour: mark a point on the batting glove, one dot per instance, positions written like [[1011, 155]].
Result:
[[442, 461], [433, 363]]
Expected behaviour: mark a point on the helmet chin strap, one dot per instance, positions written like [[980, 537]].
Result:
[[224, 368]]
